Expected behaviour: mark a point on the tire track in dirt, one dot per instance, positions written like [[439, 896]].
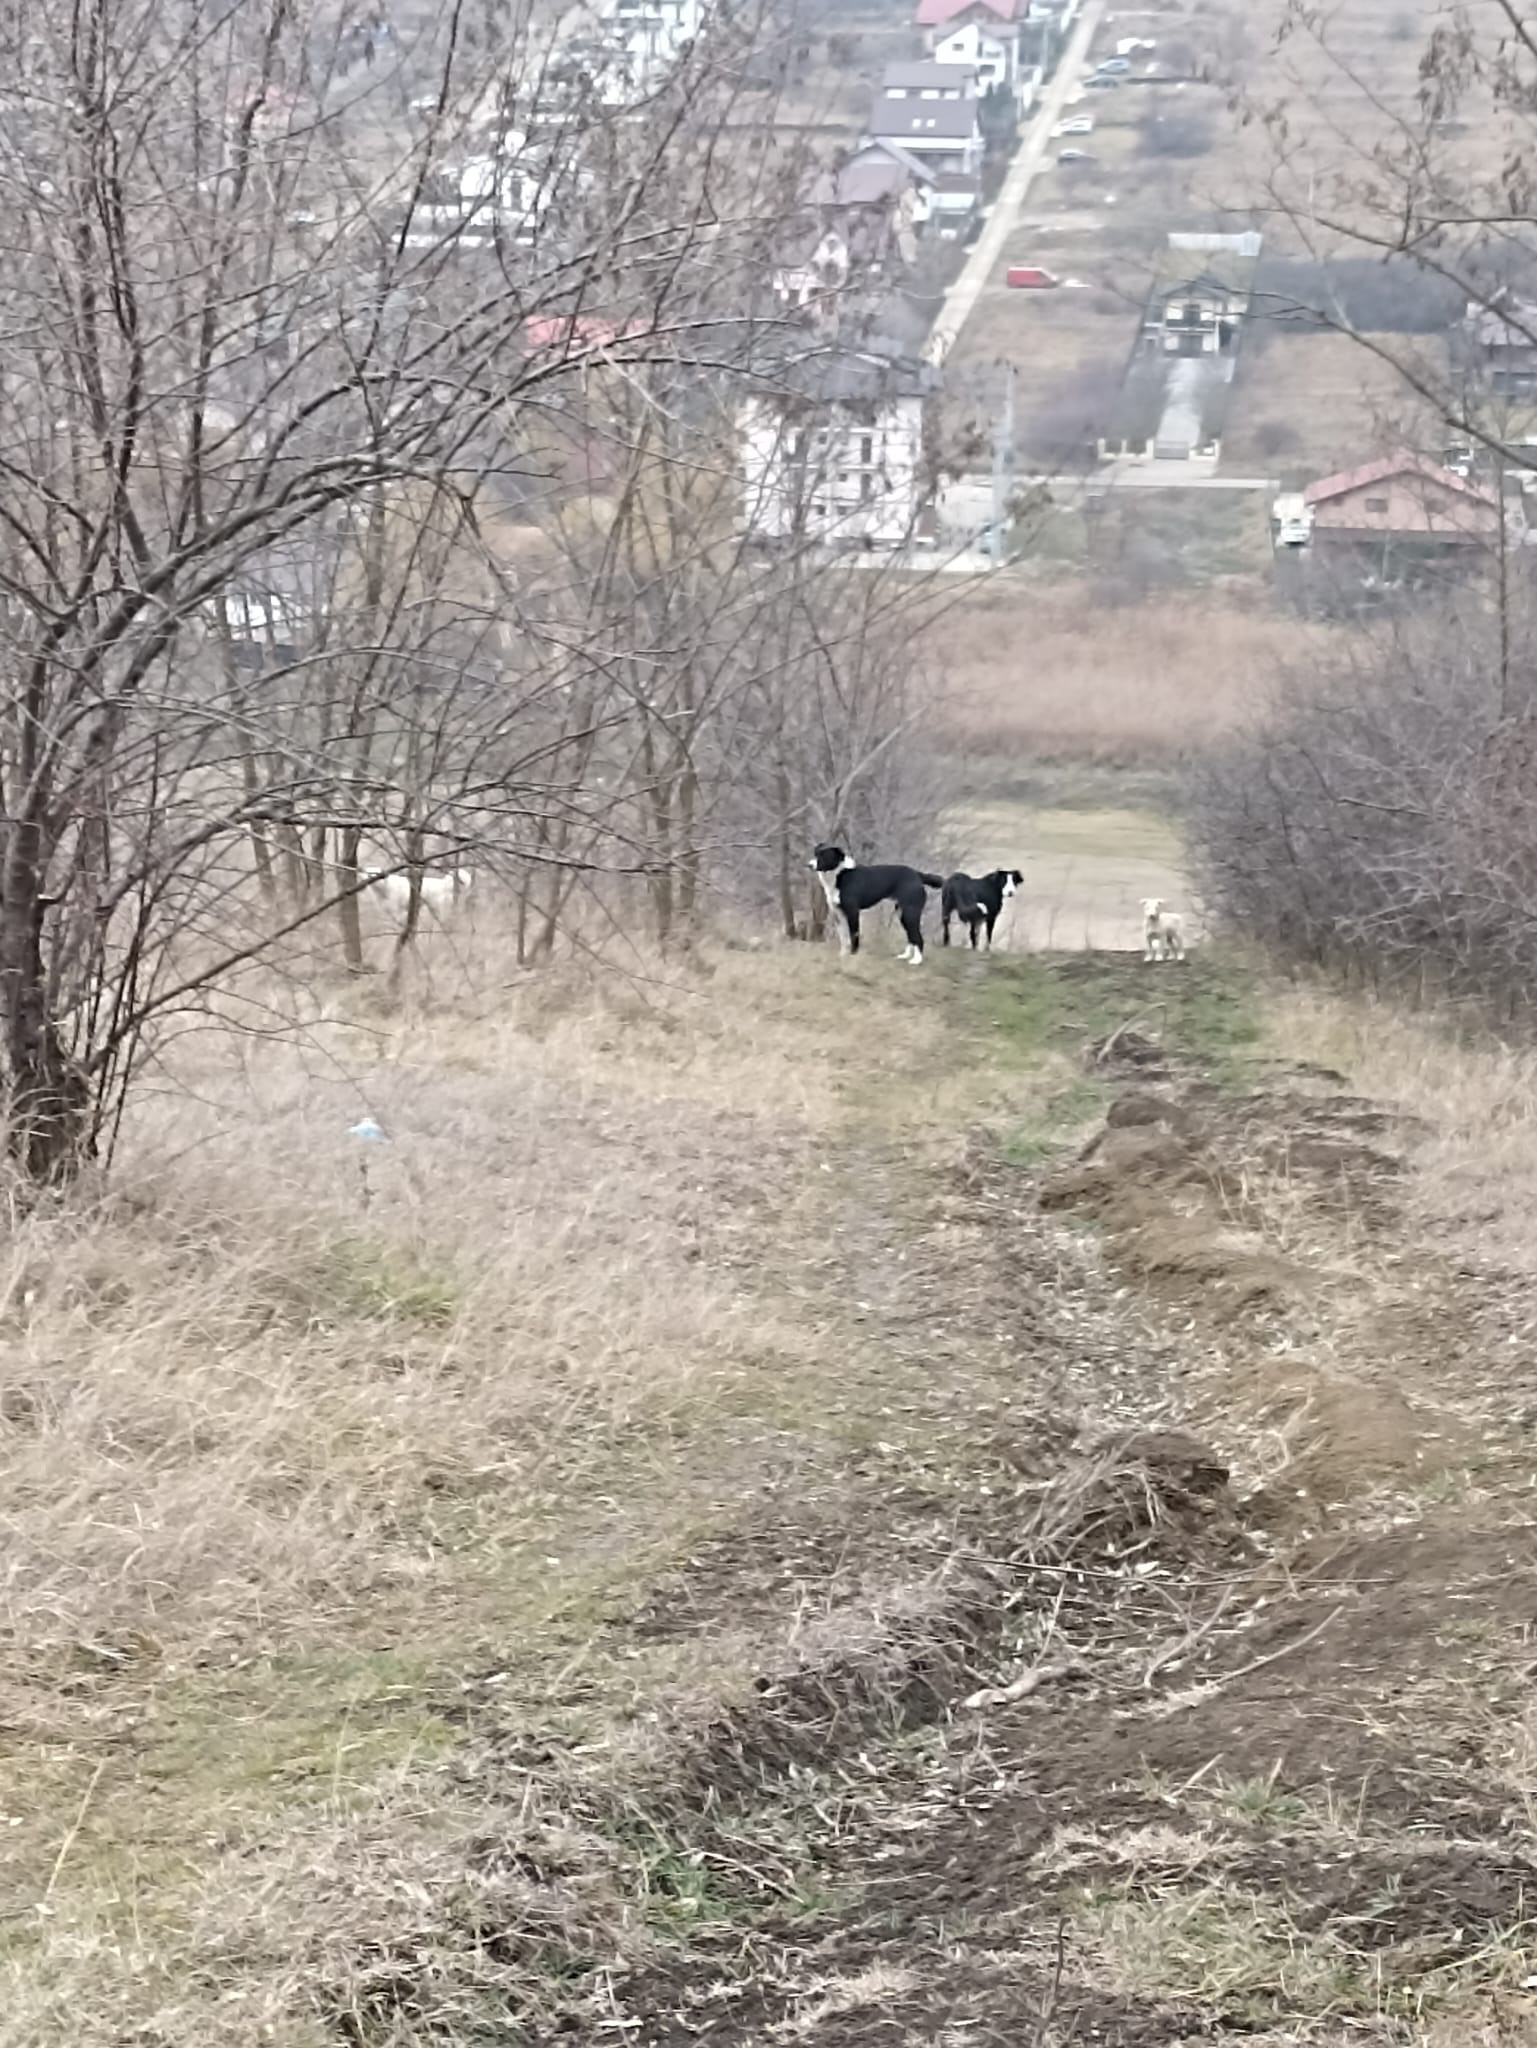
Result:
[[1279, 1779]]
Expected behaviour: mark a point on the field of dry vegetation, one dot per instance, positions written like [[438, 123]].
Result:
[[1042, 673], [524, 1580], [702, 1491]]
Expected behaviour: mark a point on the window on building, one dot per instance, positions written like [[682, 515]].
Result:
[[1376, 504]]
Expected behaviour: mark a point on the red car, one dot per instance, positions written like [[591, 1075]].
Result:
[[1029, 277]]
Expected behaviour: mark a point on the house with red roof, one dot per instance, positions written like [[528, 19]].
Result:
[[1402, 497], [981, 33], [576, 334], [1399, 521]]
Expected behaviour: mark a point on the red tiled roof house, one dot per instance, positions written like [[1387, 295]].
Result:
[[1402, 497], [1401, 520]]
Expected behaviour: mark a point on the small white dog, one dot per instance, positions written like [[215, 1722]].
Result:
[[1163, 931]]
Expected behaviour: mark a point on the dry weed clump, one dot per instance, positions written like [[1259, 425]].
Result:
[[894, 1659]]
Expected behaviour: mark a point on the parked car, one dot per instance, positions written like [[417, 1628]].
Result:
[[1080, 124], [1100, 84], [1112, 67], [1292, 520], [1030, 277], [1076, 156]]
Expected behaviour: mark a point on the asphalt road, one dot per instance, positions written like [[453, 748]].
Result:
[[1034, 148]]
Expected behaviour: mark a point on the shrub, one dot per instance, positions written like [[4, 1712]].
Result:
[[1072, 414], [1277, 437], [1384, 815]]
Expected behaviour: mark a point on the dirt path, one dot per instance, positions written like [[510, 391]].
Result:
[[1088, 869], [1264, 1590], [982, 263]]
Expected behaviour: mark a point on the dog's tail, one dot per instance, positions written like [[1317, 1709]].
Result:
[[931, 881]]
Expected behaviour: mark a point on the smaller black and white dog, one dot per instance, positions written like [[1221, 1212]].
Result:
[[977, 900], [850, 890]]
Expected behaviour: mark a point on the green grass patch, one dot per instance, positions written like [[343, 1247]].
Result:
[[360, 1279], [214, 1752], [1262, 1801], [684, 1889], [1202, 1013], [381, 1281], [1064, 1111]]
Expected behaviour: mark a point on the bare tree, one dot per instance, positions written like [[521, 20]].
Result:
[[283, 324], [735, 684], [1408, 233], [1381, 818]]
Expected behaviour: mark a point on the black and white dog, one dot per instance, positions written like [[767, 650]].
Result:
[[851, 890], [977, 900]]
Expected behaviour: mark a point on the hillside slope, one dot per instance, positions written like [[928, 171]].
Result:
[[545, 1592]]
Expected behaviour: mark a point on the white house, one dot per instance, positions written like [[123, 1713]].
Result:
[[1200, 299], [261, 625], [835, 452], [978, 32], [932, 112], [648, 37], [504, 192], [992, 58], [878, 198], [951, 205]]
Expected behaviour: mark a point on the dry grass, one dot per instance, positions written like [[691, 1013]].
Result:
[[1475, 1183], [330, 1715], [1329, 401], [1245, 1954], [286, 1458], [235, 1321], [1051, 674]]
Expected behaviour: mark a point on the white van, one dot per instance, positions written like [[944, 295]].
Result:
[[1291, 520]]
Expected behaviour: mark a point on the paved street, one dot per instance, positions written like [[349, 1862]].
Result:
[[1035, 147]]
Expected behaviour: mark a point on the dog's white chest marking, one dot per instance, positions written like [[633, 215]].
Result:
[[829, 881]]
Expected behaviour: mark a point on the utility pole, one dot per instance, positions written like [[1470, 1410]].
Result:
[[1003, 467]]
